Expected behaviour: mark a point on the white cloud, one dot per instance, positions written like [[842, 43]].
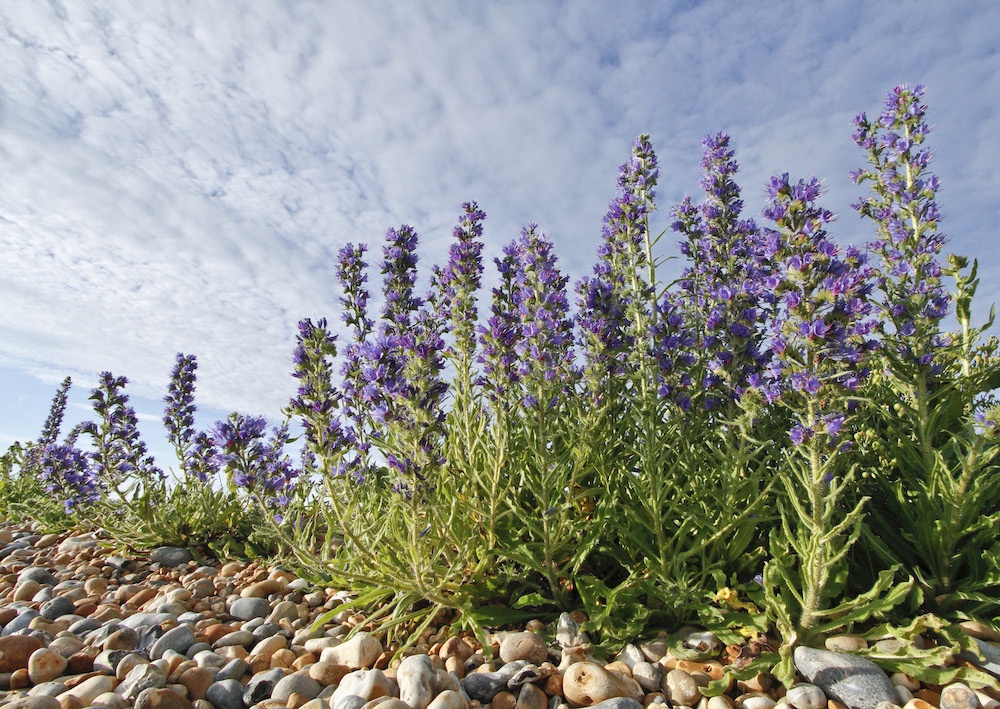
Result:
[[178, 176]]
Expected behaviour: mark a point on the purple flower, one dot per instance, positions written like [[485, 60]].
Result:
[[613, 303], [252, 463], [178, 416], [121, 454], [67, 474], [906, 218], [723, 291], [459, 281], [820, 332]]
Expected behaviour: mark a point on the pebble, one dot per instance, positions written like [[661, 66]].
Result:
[[92, 630], [849, 679]]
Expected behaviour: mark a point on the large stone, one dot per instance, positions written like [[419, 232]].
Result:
[[958, 696], [197, 680], [448, 699], [226, 694], [34, 702], [359, 652], [57, 607], [45, 665], [38, 575], [681, 689], [248, 608], [261, 685], [296, 683], [22, 621], [586, 684], [483, 686], [416, 679], [170, 556], [142, 677], [89, 689], [178, 639], [162, 699], [854, 681], [15, 651], [531, 697], [524, 646], [367, 684]]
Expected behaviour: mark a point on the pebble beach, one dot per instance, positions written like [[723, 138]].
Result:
[[81, 626]]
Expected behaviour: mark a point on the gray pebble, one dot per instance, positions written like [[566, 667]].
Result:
[[850, 679], [178, 639], [196, 648], [351, 701], [170, 556], [237, 637], [295, 683], [618, 703], [38, 575], [140, 678], [21, 622], [57, 607], [225, 694], [234, 669], [261, 685], [247, 608]]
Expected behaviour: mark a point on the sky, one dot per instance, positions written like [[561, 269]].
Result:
[[179, 176]]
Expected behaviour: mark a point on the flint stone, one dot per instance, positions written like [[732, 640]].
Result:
[[806, 696], [296, 683], [261, 685], [618, 703], [84, 627], [349, 701], [57, 607], [531, 697], [225, 694], [89, 689], [449, 699], [854, 681], [483, 686], [45, 665], [415, 677], [162, 699], [360, 651], [178, 639], [34, 702], [630, 655], [958, 696], [39, 575], [234, 669], [263, 630], [648, 675], [568, 633], [21, 622], [74, 545], [15, 651], [138, 621], [142, 677], [367, 684], [170, 556], [525, 645], [247, 608], [237, 637], [47, 689], [586, 684]]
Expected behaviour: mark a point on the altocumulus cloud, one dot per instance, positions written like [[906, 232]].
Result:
[[178, 176]]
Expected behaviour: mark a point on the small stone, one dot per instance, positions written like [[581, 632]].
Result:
[[296, 683], [162, 699], [524, 646], [681, 688], [171, 557], [328, 673], [15, 651], [140, 678], [74, 545], [226, 694], [531, 697], [704, 641], [89, 689], [261, 589], [367, 684], [568, 633], [25, 590], [247, 608], [126, 664], [586, 684], [415, 677], [503, 700], [618, 703], [178, 639], [111, 700], [846, 643], [197, 680], [958, 696], [850, 679], [33, 702], [630, 655], [648, 675], [45, 665], [260, 686], [806, 696], [757, 700], [449, 699], [234, 669], [57, 607]]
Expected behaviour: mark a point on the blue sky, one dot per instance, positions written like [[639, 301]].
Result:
[[178, 176]]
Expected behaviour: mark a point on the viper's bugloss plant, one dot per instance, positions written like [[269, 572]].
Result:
[[68, 474], [121, 458]]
